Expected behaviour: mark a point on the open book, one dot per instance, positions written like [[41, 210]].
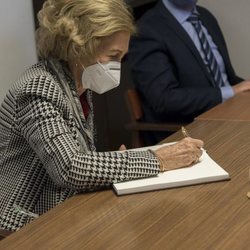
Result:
[[206, 170]]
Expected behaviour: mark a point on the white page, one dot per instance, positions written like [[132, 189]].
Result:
[[206, 170]]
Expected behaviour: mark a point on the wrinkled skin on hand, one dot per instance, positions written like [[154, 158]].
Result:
[[181, 154]]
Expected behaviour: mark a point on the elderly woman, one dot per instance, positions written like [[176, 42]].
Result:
[[47, 151]]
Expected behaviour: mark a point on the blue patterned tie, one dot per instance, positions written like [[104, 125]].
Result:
[[209, 56]]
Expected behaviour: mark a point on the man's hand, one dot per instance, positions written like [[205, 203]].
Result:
[[241, 87]]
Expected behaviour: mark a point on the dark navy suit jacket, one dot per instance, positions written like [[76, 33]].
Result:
[[168, 70]]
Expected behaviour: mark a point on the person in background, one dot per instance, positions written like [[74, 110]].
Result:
[[180, 63], [47, 151]]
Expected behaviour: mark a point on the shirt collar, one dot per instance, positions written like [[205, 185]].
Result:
[[180, 15]]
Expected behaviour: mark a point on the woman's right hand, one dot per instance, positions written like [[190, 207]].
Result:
[[181, 154]]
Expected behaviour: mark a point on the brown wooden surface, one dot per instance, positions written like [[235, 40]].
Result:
[[236, 108], [208, 216]]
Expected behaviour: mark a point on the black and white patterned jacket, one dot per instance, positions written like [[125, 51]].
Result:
[[46, 155]]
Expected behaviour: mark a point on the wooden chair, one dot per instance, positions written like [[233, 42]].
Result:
[[136, 125]]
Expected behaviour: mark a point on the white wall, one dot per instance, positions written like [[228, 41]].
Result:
[[234, 19], [17, 42]]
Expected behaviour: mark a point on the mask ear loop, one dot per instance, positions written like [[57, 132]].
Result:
[[84, 83], [83, 67]]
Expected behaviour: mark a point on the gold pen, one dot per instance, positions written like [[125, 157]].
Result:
[[184, 132]]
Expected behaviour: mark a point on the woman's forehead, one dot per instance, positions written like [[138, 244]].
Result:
[[117, 42]]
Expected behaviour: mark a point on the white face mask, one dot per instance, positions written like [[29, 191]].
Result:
[[102, 77]]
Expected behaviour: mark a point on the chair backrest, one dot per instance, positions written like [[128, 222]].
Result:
[[136, 114], [137, 125], [134, 105]]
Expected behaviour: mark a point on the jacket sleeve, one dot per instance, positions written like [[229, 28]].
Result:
[[42, 118]]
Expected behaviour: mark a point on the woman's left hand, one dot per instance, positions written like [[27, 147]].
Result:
[[122, 147]]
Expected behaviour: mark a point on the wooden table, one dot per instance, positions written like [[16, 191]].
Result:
[[236, 108], [208, 216]]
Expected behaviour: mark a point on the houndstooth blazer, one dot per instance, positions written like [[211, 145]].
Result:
[[47, 154]]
